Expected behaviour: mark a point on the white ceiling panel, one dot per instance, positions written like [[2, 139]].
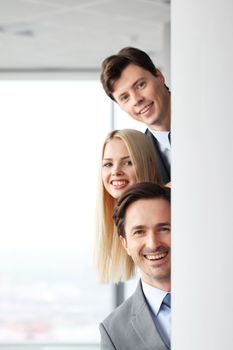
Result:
[[138, 9], [77, 34], [16, 11]]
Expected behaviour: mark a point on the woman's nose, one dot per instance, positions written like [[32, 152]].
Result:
[[117, 170]]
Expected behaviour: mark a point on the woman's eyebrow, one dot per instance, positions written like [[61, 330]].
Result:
[[125, 157]]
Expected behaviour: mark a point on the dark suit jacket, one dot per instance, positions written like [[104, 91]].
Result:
[[131, 326], [164, 169]]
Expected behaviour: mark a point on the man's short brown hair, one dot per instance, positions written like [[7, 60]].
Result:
[[113, 66], [143, 190]]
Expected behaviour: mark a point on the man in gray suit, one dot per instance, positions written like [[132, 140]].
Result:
[[131, 79], [142, 322]]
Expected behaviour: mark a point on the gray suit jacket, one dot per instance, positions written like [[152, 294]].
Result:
[[131, 327], [164, 169]]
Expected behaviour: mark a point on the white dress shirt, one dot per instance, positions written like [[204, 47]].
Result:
[[164, 143], [160, 312]]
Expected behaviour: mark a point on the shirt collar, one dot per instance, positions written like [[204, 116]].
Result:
[[154, 296], [162, 137]]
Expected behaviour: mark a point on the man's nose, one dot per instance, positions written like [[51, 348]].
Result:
[[137, 98], [152, 241]]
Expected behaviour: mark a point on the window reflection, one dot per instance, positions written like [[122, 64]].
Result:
[[50, 136]]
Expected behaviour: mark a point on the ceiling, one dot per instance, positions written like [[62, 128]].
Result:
[[76, 35]]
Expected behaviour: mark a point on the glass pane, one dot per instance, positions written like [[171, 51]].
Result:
[[50, 139], [123, 120]]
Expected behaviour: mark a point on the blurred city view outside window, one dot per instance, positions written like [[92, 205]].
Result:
[[51, 134]]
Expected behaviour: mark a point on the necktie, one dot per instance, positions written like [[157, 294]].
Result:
[[164, 319], [167, 300]]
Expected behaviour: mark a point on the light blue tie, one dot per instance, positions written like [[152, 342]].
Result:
[[167, 300], [164, 319]]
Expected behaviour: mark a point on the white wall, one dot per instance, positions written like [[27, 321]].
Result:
[[202, 76]]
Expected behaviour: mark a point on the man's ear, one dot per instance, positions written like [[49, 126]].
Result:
[[160, 76], [124, 243]]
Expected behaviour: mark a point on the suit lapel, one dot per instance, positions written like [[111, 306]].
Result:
[[143, 324], [162, 167]]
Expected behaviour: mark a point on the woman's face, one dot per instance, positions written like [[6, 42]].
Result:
[[118, 172]]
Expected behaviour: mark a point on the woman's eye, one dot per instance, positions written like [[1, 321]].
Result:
[[107, 165], [128, 162]]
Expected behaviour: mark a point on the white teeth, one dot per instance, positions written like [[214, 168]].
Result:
[[119, 183], [156, 256], [145, 109]]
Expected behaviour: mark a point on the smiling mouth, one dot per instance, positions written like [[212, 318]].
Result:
[[119, 183], [156, 257], [146, 108]]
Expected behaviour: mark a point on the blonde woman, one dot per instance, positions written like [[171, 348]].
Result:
[[127, 157]]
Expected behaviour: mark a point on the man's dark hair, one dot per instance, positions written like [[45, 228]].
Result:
[[143, 190], [113, 66]]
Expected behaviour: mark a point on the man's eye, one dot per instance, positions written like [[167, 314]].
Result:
[[165, 229], [138, 232], [141, 84], [124, 98]]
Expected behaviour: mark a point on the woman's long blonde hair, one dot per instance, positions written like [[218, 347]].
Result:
[[112, 261]]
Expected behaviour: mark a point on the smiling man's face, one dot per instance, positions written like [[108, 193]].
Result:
[[144, 97], [147, 240]]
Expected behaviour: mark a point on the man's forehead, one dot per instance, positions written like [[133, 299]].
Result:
[[142, 210]]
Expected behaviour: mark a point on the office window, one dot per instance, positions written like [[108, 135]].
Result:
[[50, 138], [123, 120]]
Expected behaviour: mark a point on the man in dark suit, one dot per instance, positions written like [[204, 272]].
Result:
[[131, 79], [142, 322]]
